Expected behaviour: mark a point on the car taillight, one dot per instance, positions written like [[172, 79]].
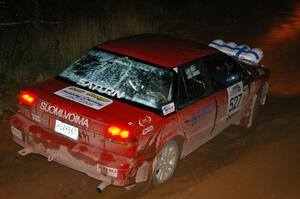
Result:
[[119, 133], [26, 98]]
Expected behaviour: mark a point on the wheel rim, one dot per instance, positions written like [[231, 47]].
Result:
[[166, 162]]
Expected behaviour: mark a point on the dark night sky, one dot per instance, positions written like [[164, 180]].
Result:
[[58, 10]]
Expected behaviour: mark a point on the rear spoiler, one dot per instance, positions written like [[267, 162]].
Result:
[[243, 53]]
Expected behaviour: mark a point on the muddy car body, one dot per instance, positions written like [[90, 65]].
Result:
[[126, 111]]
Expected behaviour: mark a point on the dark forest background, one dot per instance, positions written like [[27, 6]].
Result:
[[38, 38]]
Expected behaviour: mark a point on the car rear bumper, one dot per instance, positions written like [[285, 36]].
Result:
[[104, 166]]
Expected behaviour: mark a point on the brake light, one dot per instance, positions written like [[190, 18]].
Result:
[[118, 133], [26, 98]]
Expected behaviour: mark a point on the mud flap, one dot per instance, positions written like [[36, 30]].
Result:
[[247, 120], [264, 93], [251, 112]]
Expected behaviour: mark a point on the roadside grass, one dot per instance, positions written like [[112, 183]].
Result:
[[31, 54]]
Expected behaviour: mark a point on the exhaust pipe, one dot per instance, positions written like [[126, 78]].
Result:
[[100, 188]]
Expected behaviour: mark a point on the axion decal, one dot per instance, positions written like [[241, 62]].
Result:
[[72, 117], [100, 89], [235, 95]]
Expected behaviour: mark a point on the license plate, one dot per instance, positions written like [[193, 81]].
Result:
[[66, 129]]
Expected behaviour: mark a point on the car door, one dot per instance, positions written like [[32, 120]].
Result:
[[197, 108], [231, 89]]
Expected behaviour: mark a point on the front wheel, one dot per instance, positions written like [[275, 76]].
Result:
[[166, 162]]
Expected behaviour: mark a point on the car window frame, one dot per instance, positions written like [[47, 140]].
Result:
[[240, 68], [181, 80]]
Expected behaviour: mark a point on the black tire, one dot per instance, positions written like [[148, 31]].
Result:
[[166, 164], [141, 188]]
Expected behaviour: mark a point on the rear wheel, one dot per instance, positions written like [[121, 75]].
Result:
[[166, 162]]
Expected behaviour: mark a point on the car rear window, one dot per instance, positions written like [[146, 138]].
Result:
[[122, 77]]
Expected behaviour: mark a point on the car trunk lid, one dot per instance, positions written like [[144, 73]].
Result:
[[54, 111]]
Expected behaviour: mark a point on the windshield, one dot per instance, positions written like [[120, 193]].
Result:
[[121, 77]]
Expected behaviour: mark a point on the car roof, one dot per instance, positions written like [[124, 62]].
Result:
[[163, 50]]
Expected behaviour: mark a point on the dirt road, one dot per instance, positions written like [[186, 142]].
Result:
[[237, 164]]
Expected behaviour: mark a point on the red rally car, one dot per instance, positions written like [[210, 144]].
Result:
[[129, 109]]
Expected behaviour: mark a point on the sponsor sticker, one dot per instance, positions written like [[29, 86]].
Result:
[[58, 112], [100, 89], [107, 170], [147, 130], [169, 108], [84, 97], [199, 114], [191, 72], [145, 121]]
